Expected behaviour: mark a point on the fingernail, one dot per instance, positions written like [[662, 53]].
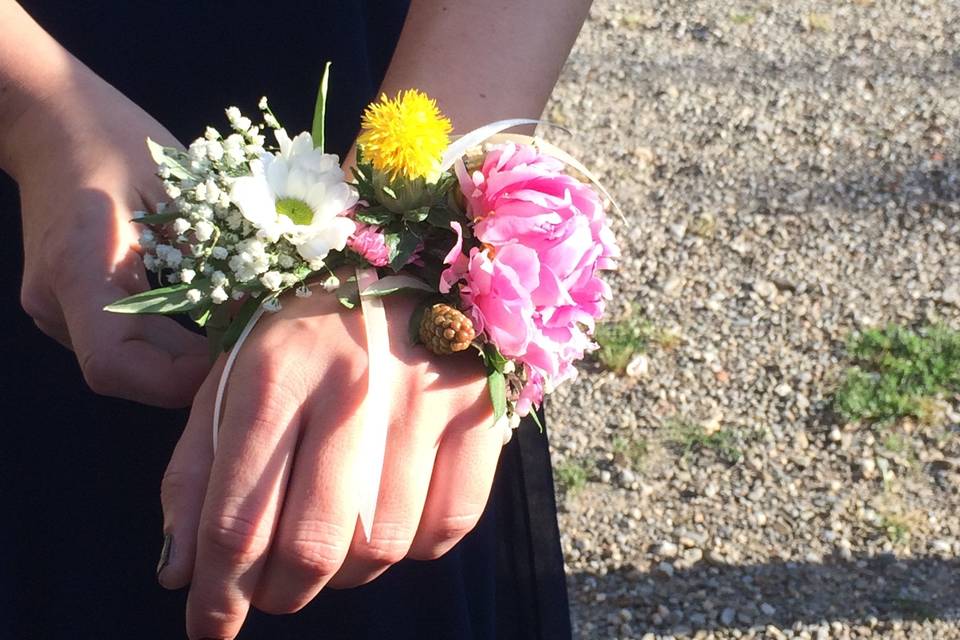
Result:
[[165, 553]]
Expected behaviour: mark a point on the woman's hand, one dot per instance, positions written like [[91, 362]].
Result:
[[272, 519], [80, 159]]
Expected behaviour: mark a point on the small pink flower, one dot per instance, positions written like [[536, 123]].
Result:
[[369, 242], [535, 283]]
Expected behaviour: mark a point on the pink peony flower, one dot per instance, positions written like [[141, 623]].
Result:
[[535, 283]]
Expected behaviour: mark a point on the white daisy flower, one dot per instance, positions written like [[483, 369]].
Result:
[[298, 193]]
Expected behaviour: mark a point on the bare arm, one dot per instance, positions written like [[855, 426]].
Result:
[[75, 146], [483, 61]]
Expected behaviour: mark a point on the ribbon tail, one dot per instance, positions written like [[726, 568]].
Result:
[[376, 418], [227, 368]]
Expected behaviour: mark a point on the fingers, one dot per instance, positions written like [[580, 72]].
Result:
[[148, 359], [246, 488], [184, 485], [462, 476], [320, 513], [407, 465]]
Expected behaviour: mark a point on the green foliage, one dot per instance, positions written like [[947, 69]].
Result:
[[570, 476], [896, 529], [689, 437], [631, 451], [320, 110], [742, 18], [166, 301], [897, 372], [620, 341]]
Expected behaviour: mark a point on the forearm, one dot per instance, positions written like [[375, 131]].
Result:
[[484, 61], [32, 68]]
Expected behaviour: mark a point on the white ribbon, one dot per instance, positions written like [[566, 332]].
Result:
[[225, 375], [376, 409], [376, 418]]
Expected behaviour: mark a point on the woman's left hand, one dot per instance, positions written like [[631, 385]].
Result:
[[272, 518]]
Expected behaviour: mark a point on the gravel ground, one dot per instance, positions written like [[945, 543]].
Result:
[[790, 173]]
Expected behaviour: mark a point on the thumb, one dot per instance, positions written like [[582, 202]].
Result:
[[184, 487]]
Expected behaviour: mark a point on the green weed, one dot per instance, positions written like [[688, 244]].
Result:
[[570, 476], [622, 340], [898, 371], [630, 452], [690, 437]]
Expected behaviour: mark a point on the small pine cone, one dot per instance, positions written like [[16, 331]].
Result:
[[444, 329]]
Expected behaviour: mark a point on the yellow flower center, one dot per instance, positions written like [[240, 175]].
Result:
[[295, 209], [406, 136]]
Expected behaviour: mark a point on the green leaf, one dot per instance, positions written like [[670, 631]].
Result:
[[160, 155], [392, 284], [493, 358], [497, 385], [239, 321], [536, 419], [417, 215], [157, 218], [201, 314], [375, 215], [348, 293], [416, 317], [165, 301], [400, 253], [320, 111]]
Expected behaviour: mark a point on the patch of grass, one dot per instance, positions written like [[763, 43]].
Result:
[[742, 18], [898, 371], [620, 341], [690, 437], [570, 476], [630, 452], [896, 529], [895, 443]]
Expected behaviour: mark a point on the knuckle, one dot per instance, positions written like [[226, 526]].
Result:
[[177, 482], [317, 548], [33, 302], [100, 373], [445, 534], [238, 538], [389, 544]]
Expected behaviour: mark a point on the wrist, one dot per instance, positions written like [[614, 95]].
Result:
[[33, 69]]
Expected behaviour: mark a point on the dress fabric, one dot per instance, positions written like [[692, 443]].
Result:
[[81, 524]]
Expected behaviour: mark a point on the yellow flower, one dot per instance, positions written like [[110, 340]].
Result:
[[406, 136]]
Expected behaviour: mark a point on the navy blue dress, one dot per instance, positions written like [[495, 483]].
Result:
[[80, 474]]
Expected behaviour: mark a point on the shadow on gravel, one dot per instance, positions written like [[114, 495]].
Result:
[[711, 596]]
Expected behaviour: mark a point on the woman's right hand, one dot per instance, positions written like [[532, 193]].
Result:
[[80, 159]]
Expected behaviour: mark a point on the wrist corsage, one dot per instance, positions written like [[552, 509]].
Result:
[[503, 237]]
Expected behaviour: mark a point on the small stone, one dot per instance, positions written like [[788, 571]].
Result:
[[783, 390], [605, 476], [951, 295], [665, 569], [767, 609], [727, 617], [692, 556], [673, 286], [638, 367], [667, 549], [836, 435], [765, 289]]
